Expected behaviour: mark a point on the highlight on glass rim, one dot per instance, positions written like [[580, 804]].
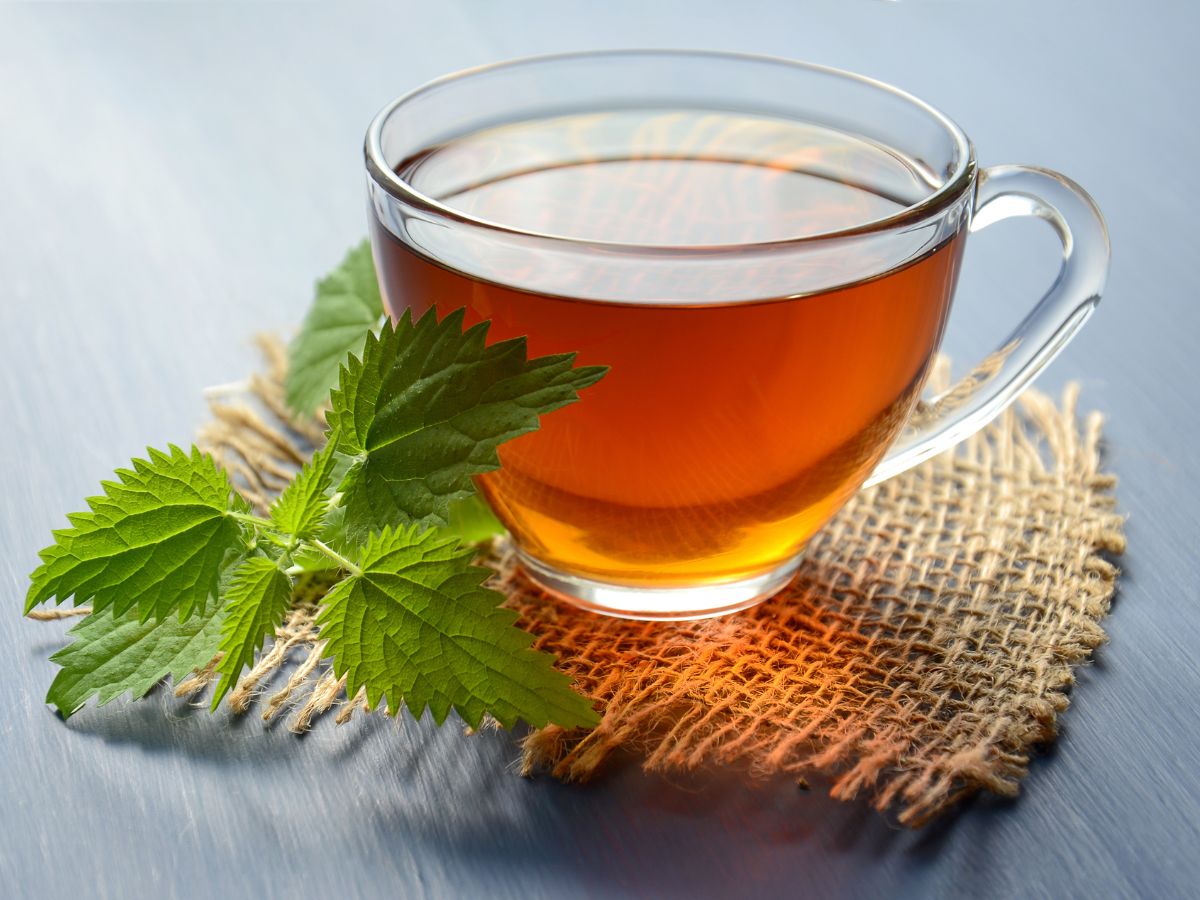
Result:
[[547, 449]]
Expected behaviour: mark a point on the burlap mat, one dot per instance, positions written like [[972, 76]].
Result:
[[923, 652]]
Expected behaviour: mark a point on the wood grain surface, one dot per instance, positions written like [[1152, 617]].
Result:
[[173, 177]]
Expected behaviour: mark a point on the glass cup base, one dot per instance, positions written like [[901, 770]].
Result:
[[658, 604]]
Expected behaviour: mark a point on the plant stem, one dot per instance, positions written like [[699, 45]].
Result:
[[253, 520], [287, 545], [336, 557]]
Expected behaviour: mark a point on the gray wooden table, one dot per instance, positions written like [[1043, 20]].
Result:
[[172, 179]]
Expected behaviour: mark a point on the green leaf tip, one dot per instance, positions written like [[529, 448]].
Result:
[[346, 306], [301, 509], [472, 521], [155, 540]]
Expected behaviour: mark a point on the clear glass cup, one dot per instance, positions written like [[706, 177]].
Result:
[[768, 334]]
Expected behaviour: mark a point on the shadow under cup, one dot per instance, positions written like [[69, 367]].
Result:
[[763, 252]]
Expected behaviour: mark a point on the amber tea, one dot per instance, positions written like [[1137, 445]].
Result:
[[726, 433]]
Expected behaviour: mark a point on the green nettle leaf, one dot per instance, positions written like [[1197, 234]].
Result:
[[414, 417], [414, 624], [300, 510], [472, 521], [156, 540], [111, 654], [346, 308], [424, 410], [258, 598]]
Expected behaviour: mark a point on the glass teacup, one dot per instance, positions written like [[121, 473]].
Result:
[[764, 252]]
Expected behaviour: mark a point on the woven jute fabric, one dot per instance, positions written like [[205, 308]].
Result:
[[922, 653]]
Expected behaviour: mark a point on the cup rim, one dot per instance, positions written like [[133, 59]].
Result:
[[942, 198]]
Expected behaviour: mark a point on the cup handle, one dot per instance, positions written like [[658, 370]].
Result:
[[1003, 192]]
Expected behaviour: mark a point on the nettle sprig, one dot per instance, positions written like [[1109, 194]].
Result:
[[179, 570]]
